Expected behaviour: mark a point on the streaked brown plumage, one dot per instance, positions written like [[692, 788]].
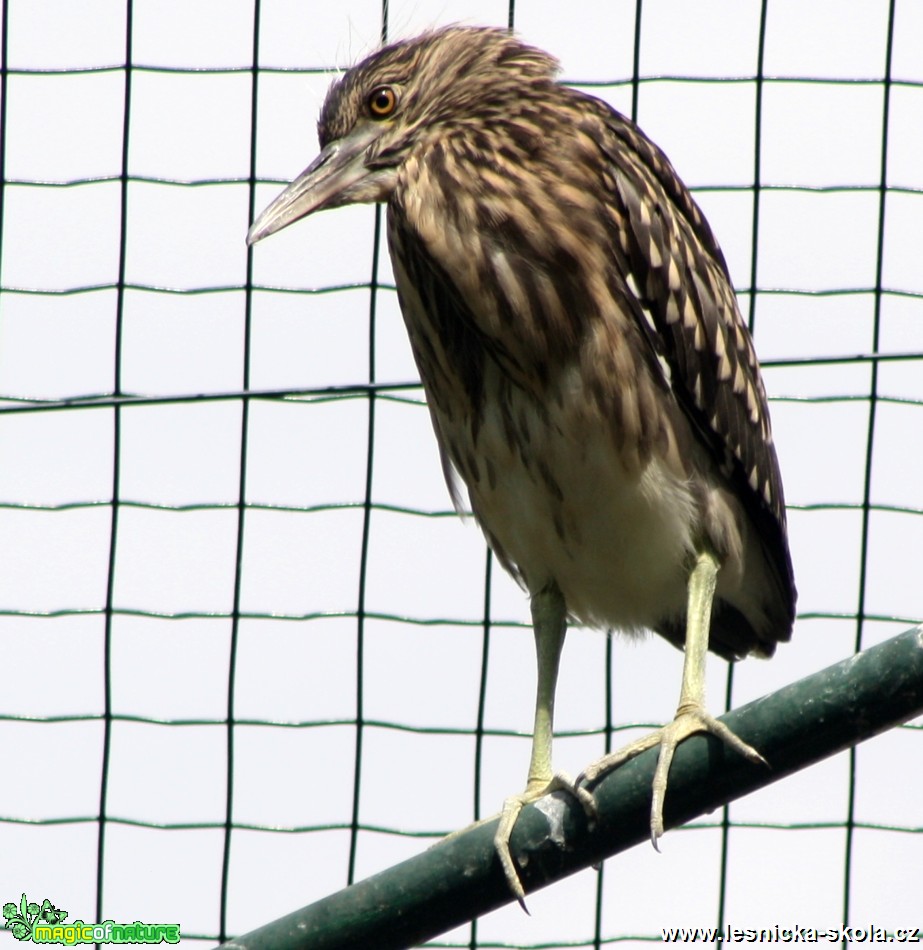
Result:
[[588, 373]]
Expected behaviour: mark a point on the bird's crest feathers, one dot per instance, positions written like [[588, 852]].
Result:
[[453, 69]]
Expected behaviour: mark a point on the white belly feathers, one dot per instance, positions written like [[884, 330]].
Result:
[[558, 503]]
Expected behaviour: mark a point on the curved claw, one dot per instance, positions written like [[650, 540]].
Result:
[[510, 814], [688, 721]]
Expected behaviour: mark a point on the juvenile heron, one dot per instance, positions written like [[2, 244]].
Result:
[[588, 373]]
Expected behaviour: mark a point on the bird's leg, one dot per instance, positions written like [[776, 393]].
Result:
[[549, 623], [691, 716]]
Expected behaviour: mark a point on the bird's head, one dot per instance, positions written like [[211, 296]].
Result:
[[401, 96]]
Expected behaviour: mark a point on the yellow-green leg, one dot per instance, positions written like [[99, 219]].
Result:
[[549, 623], [691, 716]]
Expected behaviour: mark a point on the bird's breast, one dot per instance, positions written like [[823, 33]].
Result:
[[559, 501], [561, 406], [558, 453]]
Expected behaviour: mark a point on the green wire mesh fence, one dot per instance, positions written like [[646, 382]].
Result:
[[249, 654], [459, 878]]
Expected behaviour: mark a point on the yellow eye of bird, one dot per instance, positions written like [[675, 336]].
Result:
[[382, 102]]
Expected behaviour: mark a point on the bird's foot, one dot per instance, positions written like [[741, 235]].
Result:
[[513, 805], [688, 721]]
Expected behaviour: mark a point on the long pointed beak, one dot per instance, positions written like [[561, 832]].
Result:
[[336, 177]]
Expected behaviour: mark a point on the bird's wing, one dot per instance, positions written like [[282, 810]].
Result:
[[689, 314]]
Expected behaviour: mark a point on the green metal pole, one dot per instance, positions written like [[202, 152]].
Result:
[[459, 879]]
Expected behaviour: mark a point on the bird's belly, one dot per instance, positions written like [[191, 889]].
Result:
[[564, 506]]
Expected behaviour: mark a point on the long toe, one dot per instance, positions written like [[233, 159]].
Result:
[[612, 760], [688, 721], [509, 815]]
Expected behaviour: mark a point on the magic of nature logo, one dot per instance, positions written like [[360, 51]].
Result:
[[44, 923]]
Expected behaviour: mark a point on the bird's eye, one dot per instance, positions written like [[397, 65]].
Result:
[[382, 102]]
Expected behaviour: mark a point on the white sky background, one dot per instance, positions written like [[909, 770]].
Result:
[[188, 127]]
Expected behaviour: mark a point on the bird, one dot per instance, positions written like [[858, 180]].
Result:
[[590, 380]]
